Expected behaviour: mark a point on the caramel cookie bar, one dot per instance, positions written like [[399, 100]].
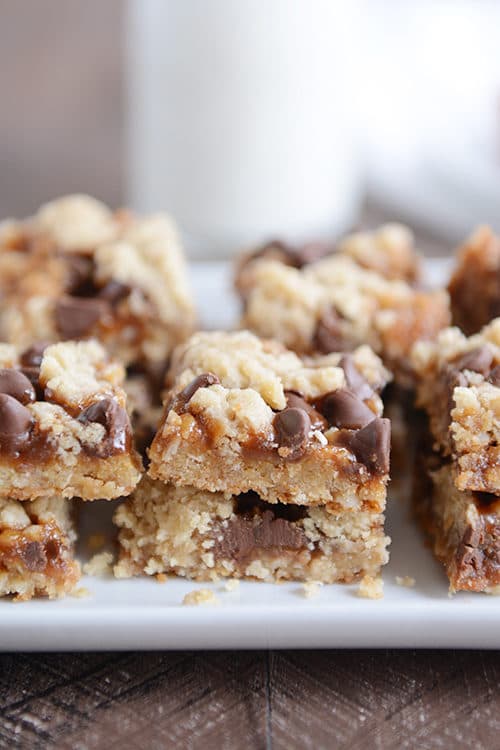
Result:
[[336, 303], [475, 283], [464, 527], [210, 535], [36, 548], [77, 270], [247, 414], [64, 427], [389, 250], [458, 385]]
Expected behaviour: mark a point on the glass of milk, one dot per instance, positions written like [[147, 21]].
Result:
[[241, 118]]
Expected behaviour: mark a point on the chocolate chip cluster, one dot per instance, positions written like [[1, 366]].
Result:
[[21, 387], [361, 431], [86, 302]]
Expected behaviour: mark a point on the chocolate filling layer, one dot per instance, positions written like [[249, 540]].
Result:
[[257, 525]]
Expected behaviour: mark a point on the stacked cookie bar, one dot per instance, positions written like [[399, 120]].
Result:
[[458, 386], [64, 433], [316, 301], [77, 270], [265, 465]]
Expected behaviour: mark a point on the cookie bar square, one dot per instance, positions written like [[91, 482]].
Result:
[[77, 270], [247, 414], [210, 535], [36, 548], [64, 427], [458, 385], [464, 527], [337, 303], [475, 282]]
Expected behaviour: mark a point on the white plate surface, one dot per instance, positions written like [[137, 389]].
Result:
[[144, 614]]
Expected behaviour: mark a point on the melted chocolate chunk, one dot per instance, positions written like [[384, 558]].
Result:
[[354, 379], [33, 356], [15, 384], [295, 400], [80, 281], [75, 316], [477, 360], [246, 533], [114, 292], [494, 376], [114, 419], [33, 375], [328, 335], [371, 445], [15, 423], [33, 556], [344, 409], [200, 381], [292, 428]]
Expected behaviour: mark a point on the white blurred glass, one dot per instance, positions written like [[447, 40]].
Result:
[[241, 118]]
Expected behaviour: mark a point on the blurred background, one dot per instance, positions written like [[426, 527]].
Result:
[[247, 119]]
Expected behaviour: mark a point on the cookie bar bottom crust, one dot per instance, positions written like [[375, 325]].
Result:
[[70, 475], [334, 480], [208, 535], [36, 548], [464, 527]]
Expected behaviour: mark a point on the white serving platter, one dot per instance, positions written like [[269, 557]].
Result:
[[144, 614]]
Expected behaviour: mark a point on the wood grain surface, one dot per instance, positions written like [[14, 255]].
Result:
[[61, 129], [323, 699]]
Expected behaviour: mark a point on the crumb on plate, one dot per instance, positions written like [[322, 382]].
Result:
[[199, 597], [407, 581], [371, 588], [310, 589]]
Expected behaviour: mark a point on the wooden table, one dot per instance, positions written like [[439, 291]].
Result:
[[61, 130], [312, 699]]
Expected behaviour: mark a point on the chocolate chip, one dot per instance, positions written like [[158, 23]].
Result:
[[292, 428], [328, 335], [15, 422], [33, 555], [33, 375], [244, 534], [200, 381], [17, 385], [344, 409], [370, 445], [494, 376], [295, 400], [114, 419], [354, 379], [33, 356], [477, 360], [114, 292], [80, 281], [75, 316]]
